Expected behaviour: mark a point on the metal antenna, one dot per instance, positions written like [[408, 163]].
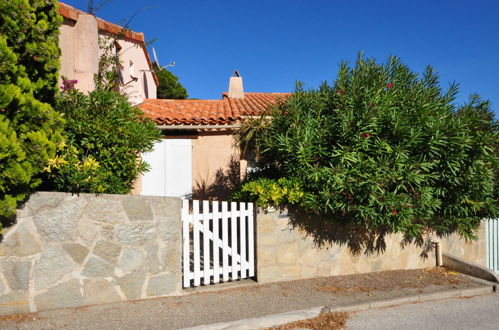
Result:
[[172, 64]]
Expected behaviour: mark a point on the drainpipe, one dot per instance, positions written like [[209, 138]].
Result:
[[438, 254]]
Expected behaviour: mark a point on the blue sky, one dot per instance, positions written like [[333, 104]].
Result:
[[274, 43]]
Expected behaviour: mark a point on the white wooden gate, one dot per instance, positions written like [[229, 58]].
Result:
[[218, 243], [492, 232]]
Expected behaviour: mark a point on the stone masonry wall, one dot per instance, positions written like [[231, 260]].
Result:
[[287, 254], [68, 251]]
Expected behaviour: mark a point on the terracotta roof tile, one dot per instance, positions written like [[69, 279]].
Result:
[[209, 112], [254, 103], [188, 112]]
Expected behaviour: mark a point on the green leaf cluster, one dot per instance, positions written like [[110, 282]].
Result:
[[382, 148], [169, 87], [30, 129], [105, 136], [270, 192]]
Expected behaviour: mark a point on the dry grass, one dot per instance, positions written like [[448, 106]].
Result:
[[330, 321], [18, 318], [383, 281]]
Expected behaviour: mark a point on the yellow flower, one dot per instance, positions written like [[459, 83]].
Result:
[[56, 162], [90, 164]]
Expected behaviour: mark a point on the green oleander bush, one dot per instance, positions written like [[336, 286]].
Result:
[[381, 150]]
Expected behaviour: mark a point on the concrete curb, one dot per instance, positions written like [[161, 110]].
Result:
[[263, 322], [283, 318], [465, 267]]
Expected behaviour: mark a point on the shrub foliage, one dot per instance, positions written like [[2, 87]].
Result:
[[383, 149], [105, 136], [29, 127]]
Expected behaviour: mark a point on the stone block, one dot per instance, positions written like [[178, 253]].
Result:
[[16, 273], [172, 259], [291, 272], [137, 209], [267, 254], [311, 258], [131, 285], [130, 260], [304, 245], [161, 285], [269, 274], [267, 239], [287, 235], [43, 200], [308, 272], [59, 224], [266, 227], [87, 230], [107, 210], [97, 268], [3, 287], [107, 250], [21, 240], [163, 257], [152, 258], [170, 231], [99, 292], [266, 219], [282, 221], [287, 253], [135, 233], [107, 232], [326, 269], [76, 251], [51, 267], [63, 295], [14, 303], [166, 208]]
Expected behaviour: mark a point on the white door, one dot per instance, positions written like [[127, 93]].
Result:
[[170, 171]]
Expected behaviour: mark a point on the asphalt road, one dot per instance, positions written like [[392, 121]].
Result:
[[464, 313]]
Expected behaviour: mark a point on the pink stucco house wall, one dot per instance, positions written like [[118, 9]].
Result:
[[80, 51]]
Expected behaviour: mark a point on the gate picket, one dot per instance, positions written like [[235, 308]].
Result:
[[242, 250], [251, 240], [206, 243], [216, 244], [233, 236], [492, 230], [225, 238], [197, 258]]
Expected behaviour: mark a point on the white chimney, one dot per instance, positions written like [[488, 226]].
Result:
[[236, 90]]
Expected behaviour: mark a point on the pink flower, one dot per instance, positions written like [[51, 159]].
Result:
[[389, 85], [394, 212], [68, 85]]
